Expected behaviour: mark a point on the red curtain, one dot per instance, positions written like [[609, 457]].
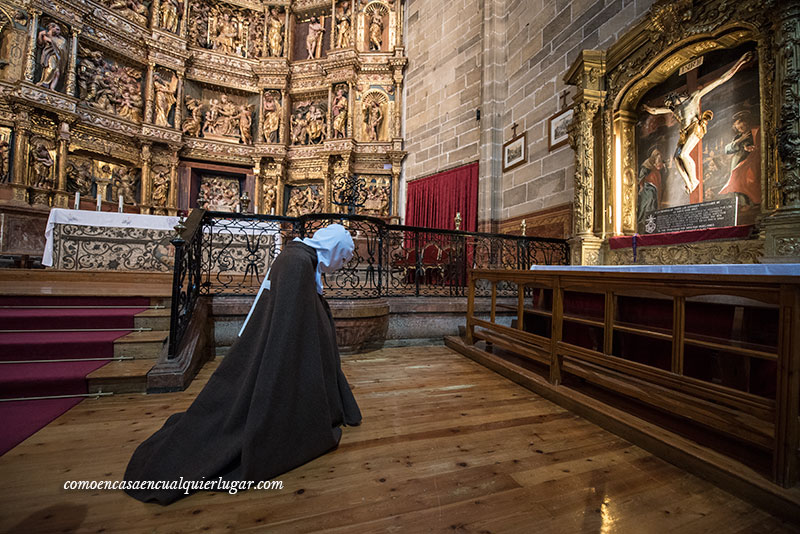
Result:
[[433, 201]]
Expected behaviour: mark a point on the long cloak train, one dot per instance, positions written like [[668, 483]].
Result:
[[275, 402]]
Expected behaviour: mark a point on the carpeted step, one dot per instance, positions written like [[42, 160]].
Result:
[[66, 318], [23, 418], [42, 379], [133, 302], [58, 345]]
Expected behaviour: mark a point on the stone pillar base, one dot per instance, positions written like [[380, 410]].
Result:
[[19, 195], [585, 250], [41, 198], [782, 237], [61, 199]]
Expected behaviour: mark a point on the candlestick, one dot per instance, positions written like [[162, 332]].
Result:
[[77, 205], [119, 208], [99, 203]]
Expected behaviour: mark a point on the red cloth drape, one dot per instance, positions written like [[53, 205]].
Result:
[[433, 201]]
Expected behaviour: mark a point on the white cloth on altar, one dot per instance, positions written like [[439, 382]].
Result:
[[773, 269], [107, 219]]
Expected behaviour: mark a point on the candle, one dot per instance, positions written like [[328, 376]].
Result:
[[99, 203], [120, 204], [77, 205], [272, 211]]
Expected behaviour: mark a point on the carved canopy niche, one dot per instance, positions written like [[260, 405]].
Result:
[[615, 85]]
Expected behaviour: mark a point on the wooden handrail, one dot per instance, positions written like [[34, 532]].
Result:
[[751, 417]]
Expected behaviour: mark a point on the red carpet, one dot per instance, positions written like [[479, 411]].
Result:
[[20, 419]]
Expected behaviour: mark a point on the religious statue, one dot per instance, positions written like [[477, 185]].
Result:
[[53, 55], [299, 127], [4, 161], [316, 29], [375, 30], [373, 117], [79, 177], [339, 112], [124, 182], [275, 32], [270, 126], [170, 14], [686, 109], [90, 72], [270, 198], [41, 164], [302, 201], [315, 124], [165, 98], [227, 113], [198, 23], [210, 125], [651, 176], [192, 124], [343, 26], [137, 8], [160, 185], [245, 116], [225, 40]]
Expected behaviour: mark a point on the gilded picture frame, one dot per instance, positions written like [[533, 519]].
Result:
[[557, 125], [515, 152]]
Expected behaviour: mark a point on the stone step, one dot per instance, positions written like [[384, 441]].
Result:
[[125, 376], [153, 319], [140, 345]]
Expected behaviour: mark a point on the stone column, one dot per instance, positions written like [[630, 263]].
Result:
[[258, 189], [329, 127], [148, 93], [493, 94], [278, 173], [147, 180], [398, 103], [351, 98], [178, 117], [30, 63], [172, 199], [155, 11], [19, 176], [587, 74], [73, 62], [60, 197], [782, 226]]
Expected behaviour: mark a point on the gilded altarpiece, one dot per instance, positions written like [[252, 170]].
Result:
[[698, 102], [108, 98]]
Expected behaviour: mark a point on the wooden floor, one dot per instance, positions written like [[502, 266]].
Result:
[[446, 446]]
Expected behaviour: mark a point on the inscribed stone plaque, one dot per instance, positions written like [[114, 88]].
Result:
[[713, 214]]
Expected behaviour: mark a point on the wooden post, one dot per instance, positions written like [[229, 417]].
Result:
[[678, 333], [784, 459], [494, 301], [556, 331], [608, 324], [520, 306]]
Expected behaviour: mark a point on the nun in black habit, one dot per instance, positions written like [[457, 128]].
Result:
[[279, 396]]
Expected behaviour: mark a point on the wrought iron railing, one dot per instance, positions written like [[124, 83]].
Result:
[[229, 254]]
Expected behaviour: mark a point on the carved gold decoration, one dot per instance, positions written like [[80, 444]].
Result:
[[611, 83]]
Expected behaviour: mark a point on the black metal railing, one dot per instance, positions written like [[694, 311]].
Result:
[[229, 254]]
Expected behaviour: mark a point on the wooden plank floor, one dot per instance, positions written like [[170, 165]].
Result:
[[446, 446]]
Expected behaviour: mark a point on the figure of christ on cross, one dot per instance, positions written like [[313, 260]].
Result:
[[693, 122]]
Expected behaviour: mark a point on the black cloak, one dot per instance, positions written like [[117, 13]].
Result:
[[274, 403]]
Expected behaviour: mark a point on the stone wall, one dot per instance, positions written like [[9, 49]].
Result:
[[507, 57], [444, 40]]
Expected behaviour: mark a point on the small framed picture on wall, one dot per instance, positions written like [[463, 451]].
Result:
[[557, 129], [515, 152]]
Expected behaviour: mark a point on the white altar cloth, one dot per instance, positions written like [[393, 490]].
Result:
[[773, 269], [107, 219]]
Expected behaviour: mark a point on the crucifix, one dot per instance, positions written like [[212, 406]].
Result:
[[514, 130]]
